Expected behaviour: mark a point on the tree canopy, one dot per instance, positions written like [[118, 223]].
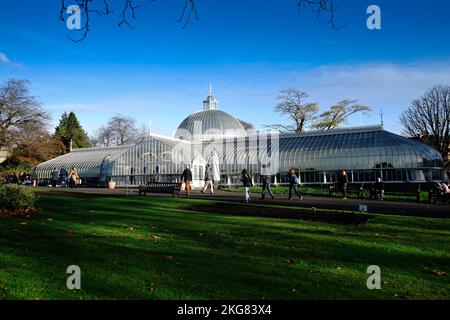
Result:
[[338, 114], [292, 102], [305, 115], [70, 129]]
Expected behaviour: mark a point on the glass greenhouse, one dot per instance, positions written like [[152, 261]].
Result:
[[215, 137]]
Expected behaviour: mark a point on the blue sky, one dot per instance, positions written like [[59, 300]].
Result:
[[159, 72]]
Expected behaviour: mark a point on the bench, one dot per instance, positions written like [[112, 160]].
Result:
[[352, 188], [403, 189], [173, 188]]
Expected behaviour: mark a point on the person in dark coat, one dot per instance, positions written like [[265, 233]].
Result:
[[343, 182], [12, 178], [55, 177], [293, 185], [63, 177], [186, 177], [378, 190], [247, 183], [266, 186]]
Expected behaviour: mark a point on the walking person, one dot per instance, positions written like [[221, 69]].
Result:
[[73, 177], [208, 179], [293, 185], [247, 183], [55, 177], [343, 182], [266, 186], [186, 177], [63, 177]]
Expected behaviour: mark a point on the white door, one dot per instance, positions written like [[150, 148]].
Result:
[[198, 172]]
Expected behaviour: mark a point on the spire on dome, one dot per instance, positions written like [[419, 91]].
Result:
[[210, 103]]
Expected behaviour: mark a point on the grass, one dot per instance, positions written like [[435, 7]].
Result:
[[151, 248]]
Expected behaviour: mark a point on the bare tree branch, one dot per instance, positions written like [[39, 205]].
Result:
[[428, 119], [323, 9], [18, 111], [189, 11], [127, 13]]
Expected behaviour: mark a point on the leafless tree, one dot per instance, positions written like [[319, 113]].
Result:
[[339, 114], [118, 131], [143, 131], [103, 137], [325, 11], [292, 103], [127, 9], [428, 119], [20, 112], [246, 125]]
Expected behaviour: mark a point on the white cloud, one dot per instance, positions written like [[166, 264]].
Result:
[[4, 59], [389, 82], [386, 86]]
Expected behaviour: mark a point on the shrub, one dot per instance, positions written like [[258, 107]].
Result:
[[14, 197]]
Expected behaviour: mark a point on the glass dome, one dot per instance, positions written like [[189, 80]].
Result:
[[210, 123]]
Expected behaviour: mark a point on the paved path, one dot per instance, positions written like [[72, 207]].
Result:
[[381, 207]]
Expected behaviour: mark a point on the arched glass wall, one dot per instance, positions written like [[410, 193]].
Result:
[[365, 153]]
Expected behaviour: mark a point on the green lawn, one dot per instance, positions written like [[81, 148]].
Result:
[[150, 248]]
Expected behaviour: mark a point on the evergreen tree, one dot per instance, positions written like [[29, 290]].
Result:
[[69, 128]]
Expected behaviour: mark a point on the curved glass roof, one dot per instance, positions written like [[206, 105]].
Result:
[[358, 148], [88, 161], [208, 123]]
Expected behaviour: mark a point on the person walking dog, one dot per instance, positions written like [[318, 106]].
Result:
[[293, 185], [247, 183]]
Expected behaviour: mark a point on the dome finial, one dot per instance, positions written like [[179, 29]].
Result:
[[210, 103]]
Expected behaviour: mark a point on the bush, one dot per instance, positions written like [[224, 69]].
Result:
[[14, 197]]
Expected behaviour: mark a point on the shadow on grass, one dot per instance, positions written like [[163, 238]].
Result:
[[150, 249]]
